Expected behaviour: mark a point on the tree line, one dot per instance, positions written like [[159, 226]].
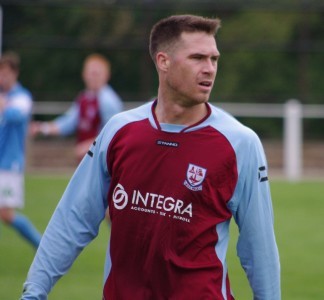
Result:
[[267, 55]]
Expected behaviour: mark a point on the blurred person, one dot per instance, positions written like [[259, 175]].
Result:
[[91, 109], [15, 113], [173, 173]]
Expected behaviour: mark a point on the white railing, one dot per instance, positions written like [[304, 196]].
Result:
[[293, 113]]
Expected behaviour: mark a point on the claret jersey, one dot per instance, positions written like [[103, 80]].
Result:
[[89, 121], [171, 192]]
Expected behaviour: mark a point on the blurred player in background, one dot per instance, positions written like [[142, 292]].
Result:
[[15, 113], [91, 109], [173, 172]]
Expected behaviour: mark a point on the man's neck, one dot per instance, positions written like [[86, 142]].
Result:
[[173, 113]]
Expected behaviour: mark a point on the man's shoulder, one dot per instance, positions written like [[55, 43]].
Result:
[[134, 114], [226, 123], [20, 91], [107, 92], [120, 120], [128, 116]]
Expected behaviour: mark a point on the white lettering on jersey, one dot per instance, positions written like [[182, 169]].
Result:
[[152, 203], [161, 202]]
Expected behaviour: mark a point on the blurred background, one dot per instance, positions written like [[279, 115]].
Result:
[[270, 77], [271, 52]]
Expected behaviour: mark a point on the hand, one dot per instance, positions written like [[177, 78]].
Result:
[[43, 128], [34, 128]]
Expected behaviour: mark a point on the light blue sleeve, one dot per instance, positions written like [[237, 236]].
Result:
[[109, 103], [14, 115], [18, 109], [74, 224], [252, 210], [68, 122]]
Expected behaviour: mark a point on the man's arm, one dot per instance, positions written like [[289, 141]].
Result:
[[17, 110], [252, 210], [63, 125], [73, 225], [68, 122]]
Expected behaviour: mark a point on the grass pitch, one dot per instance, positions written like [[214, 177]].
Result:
[[299, 222]]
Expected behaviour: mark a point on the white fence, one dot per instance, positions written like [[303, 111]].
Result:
[[293, 113]]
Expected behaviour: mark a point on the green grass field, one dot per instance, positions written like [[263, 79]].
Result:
[[299, 223]]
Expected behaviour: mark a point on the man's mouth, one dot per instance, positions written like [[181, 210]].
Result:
[[205, 83]]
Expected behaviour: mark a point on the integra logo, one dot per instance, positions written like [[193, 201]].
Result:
[[167, 143], [120, 197], [152, 203]]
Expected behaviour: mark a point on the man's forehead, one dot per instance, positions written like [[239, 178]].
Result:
[[95, 65], [4, 67], [198, 41]]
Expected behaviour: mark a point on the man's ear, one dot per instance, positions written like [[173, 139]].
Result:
[[162, 61]]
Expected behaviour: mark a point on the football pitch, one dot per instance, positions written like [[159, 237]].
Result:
[[298, 208]]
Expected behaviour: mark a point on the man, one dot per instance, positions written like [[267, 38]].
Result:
[[90, 111], [173, 173], [15, 111]]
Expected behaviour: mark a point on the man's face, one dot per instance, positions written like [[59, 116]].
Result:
[[192, 68], [95, 75], [8, 78]]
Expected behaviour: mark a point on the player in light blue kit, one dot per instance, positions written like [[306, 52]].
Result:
[[15, 112]]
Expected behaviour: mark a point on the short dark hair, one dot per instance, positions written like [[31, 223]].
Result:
[[10, 59], [168, 30]]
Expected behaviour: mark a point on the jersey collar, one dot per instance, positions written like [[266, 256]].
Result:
[[158, 126]]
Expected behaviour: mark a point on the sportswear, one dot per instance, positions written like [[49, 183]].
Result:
[[105, 104], [11, 189], [13, 128], [89, 123], [172, 191], [14, 121]]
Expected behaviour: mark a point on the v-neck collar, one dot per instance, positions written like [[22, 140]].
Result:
[[158, 126]]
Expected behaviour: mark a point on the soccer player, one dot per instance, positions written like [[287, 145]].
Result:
[[173, 173], [15, 112], [91, 109]]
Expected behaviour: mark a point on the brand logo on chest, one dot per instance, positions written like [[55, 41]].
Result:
[[167, 143], [195, 177]]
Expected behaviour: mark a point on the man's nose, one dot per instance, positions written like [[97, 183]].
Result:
[[210, 66]]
